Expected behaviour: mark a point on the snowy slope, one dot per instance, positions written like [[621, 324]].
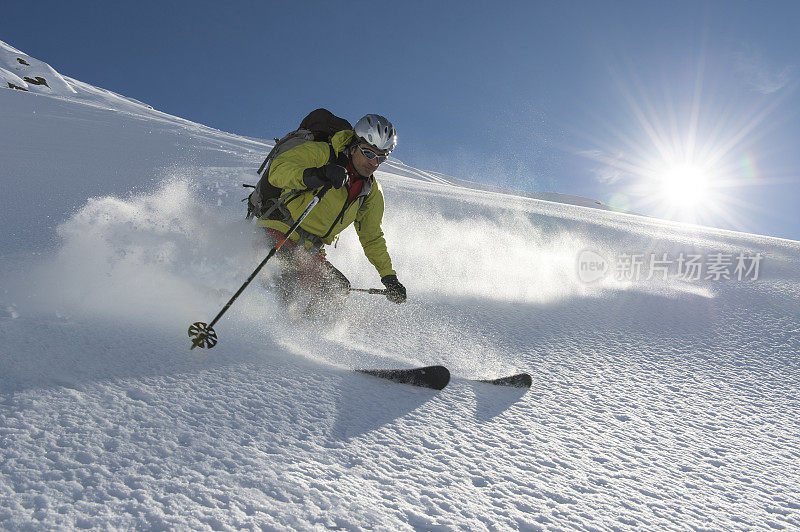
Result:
[[660, 403]]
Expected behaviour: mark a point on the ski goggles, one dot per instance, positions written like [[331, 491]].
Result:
[[371, 155]]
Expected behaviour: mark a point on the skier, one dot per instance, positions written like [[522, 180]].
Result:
[[347, 165]]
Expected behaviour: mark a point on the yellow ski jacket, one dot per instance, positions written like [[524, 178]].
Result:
[[330, 217]]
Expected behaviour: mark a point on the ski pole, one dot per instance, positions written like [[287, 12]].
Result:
[[379, 291], [202, 334]]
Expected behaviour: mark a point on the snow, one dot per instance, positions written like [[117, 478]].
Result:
[[27, 67], [657, 404], [12, 80]]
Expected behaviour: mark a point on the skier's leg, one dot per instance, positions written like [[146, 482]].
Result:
[[302, 280], [307, 280], [283, 277], [333, 290]]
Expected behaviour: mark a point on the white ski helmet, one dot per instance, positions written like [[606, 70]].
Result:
[[376, 131]]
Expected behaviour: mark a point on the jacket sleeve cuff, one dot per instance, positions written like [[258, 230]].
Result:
[[384, 273]]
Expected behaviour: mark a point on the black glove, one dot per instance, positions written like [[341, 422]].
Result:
[[331, 174], [395, 292]]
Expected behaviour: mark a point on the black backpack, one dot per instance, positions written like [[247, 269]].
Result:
[[319, 125]]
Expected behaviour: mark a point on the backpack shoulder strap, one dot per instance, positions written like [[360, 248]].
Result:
[[332, 158]]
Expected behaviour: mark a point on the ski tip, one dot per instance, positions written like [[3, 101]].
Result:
[[520, 380], [438, 375]]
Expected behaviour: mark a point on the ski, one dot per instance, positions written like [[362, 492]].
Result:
[[435, 377], [520, 380]]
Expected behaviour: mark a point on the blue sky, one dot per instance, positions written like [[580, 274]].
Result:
[[686, 110]]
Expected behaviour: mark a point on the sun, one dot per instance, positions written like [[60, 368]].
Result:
[[684, 186]]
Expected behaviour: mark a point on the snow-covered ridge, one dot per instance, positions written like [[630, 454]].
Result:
[[20, 71], [659, 402]]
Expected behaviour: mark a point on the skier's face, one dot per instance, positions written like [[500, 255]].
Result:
[[361, 163]]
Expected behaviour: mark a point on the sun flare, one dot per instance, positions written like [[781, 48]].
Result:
[[685, 153]]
